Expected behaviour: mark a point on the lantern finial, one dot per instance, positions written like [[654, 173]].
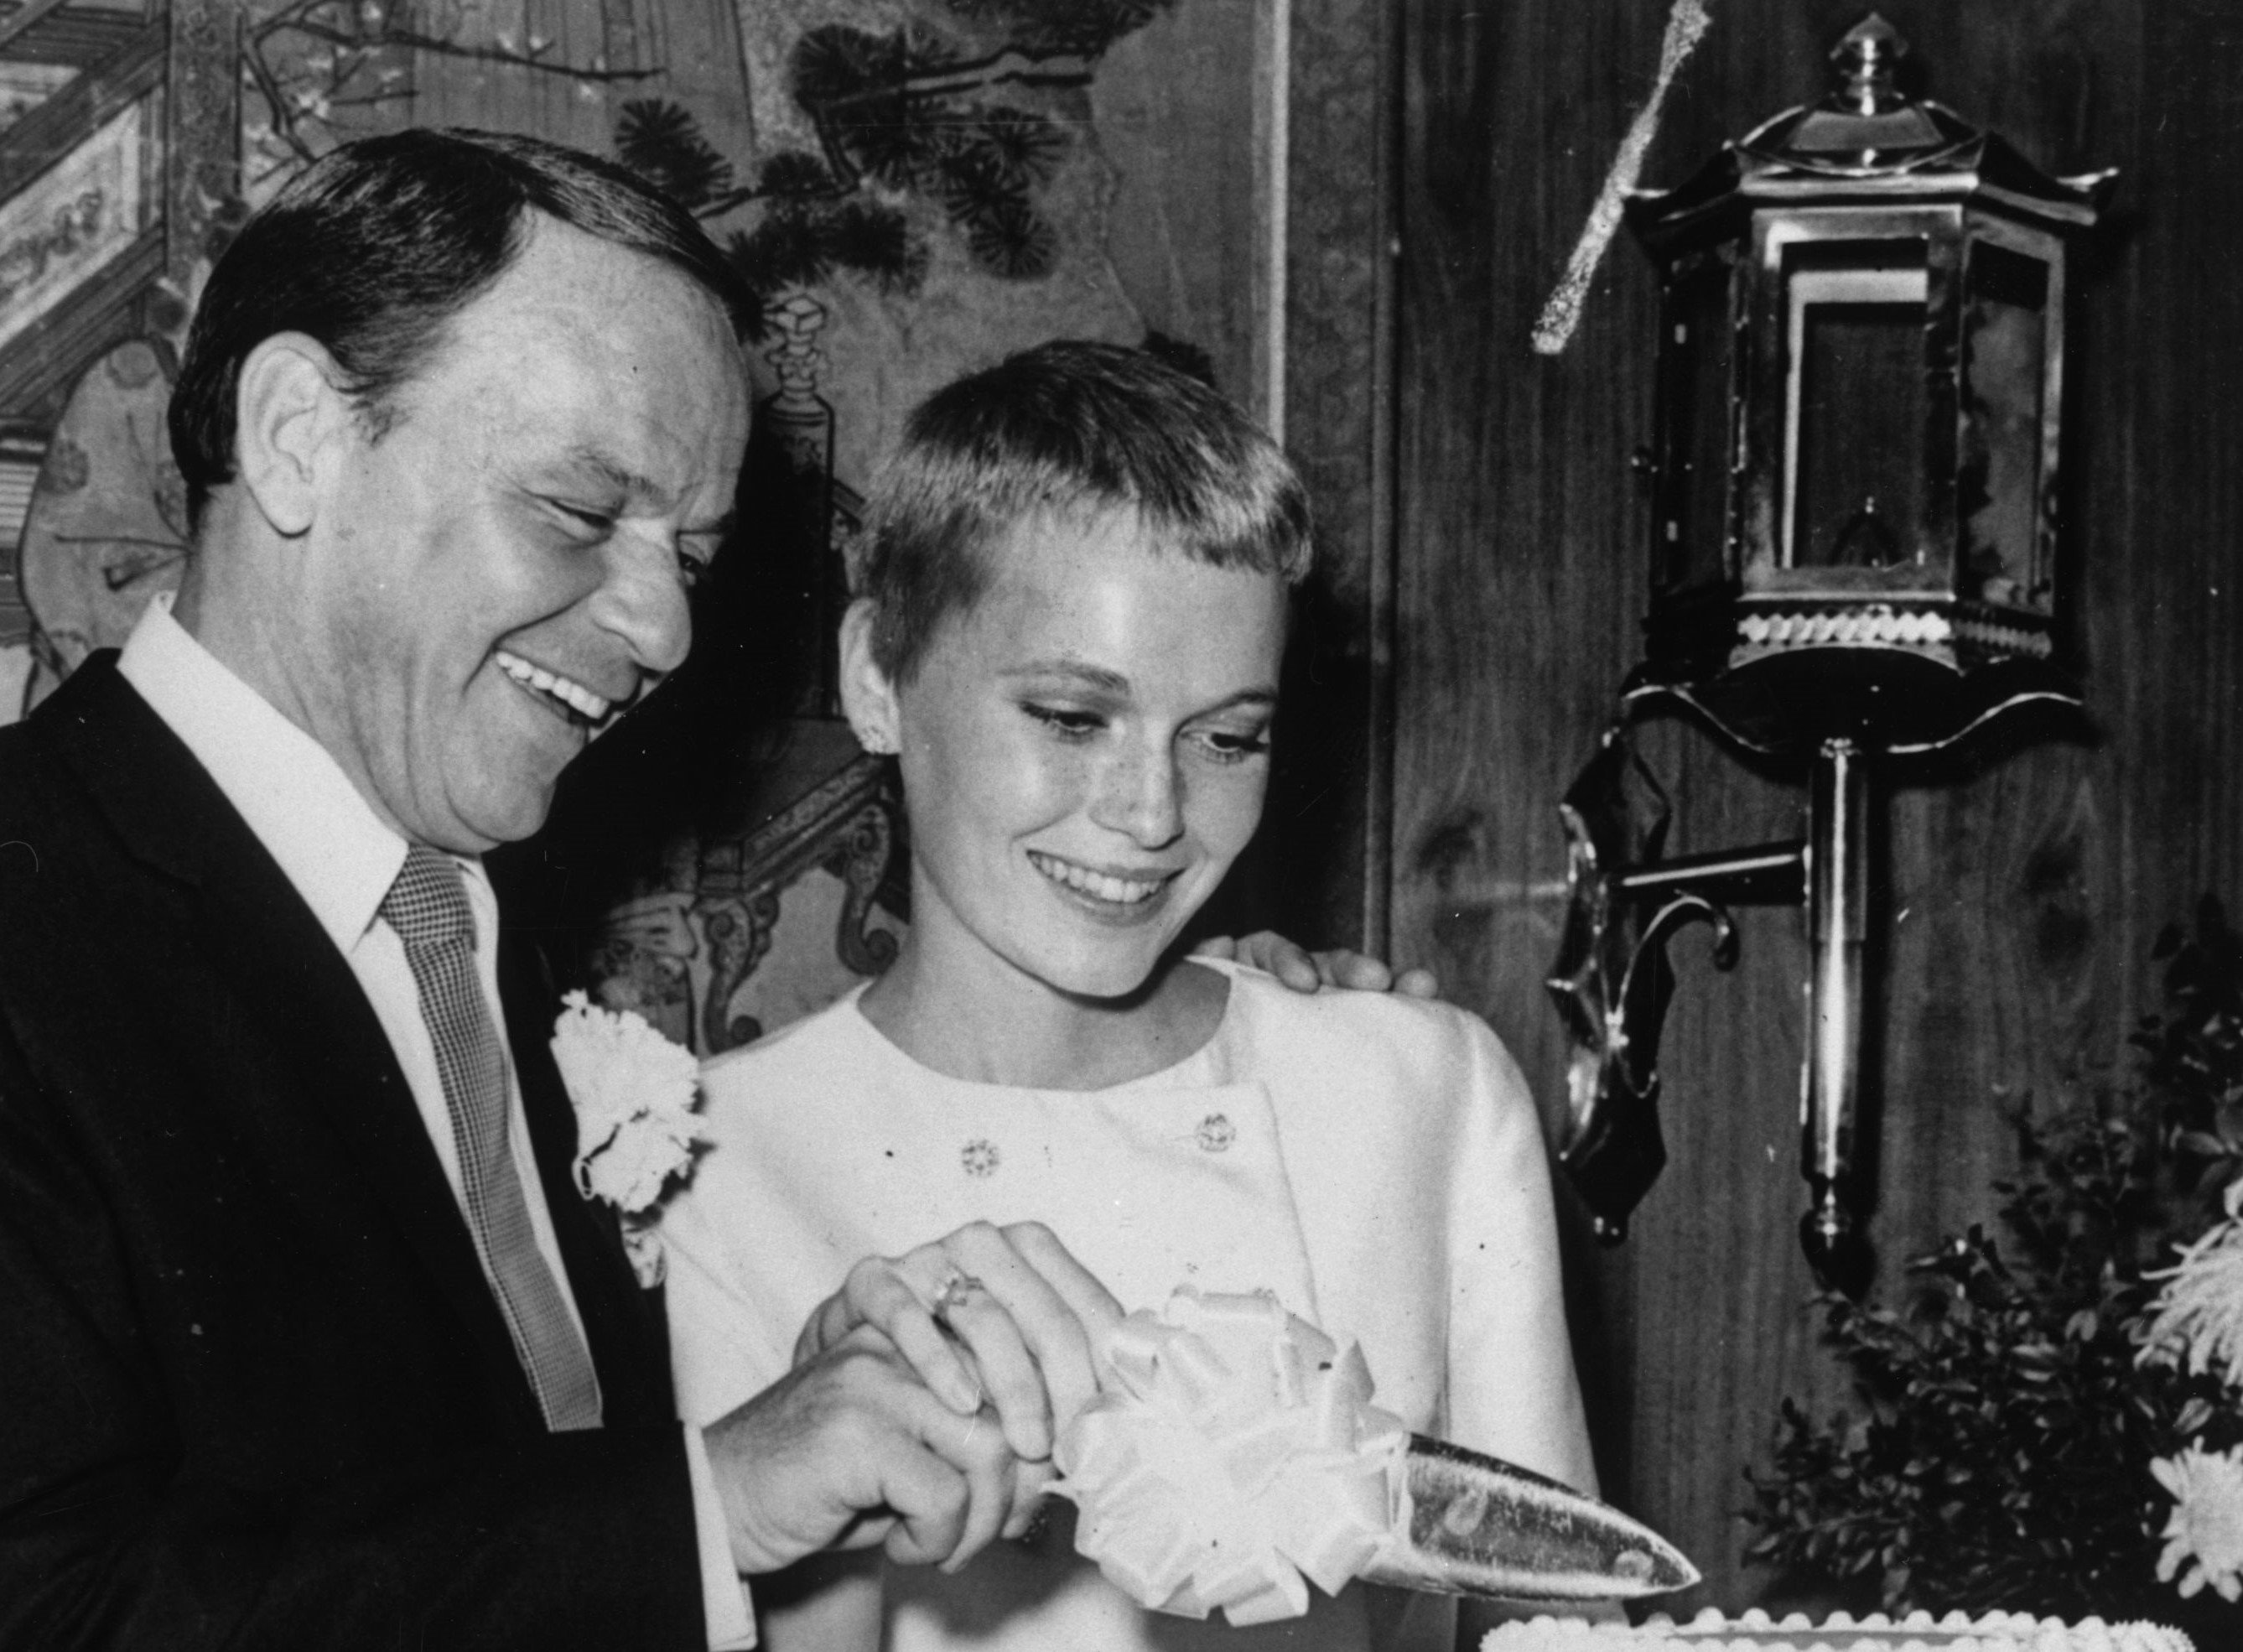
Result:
[[1866, 60]]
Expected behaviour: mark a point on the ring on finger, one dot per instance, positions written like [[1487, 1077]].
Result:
[[955, 1291]]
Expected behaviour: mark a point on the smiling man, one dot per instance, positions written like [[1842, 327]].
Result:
[[452, 590], [309, 1341]]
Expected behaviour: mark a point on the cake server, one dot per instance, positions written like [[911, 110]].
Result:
[[1469, 1524]]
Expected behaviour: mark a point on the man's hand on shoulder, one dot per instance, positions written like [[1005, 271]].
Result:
[[1307, 972]]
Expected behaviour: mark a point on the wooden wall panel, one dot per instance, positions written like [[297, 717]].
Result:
[[2024, 883], [1319, 871], [1167, 98]]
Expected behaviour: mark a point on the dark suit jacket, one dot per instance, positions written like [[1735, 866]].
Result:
[[253, 1389]]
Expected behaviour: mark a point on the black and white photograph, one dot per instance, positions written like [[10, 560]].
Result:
[[1120, 826]]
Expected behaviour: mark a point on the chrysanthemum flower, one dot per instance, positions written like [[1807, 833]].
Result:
[[2197, 1321], [2206, 1528]]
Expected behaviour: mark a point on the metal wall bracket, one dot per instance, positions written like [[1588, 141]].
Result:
[[1612, 982]]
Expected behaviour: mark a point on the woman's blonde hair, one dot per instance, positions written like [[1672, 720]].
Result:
[[1068, 428]]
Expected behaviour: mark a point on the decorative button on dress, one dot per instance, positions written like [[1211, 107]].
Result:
[[1374, 1161]]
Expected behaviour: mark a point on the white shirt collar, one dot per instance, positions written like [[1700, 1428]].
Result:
[[327, 839]]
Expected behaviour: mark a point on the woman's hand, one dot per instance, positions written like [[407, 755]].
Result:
[[1305, 971], [1001, 1317]]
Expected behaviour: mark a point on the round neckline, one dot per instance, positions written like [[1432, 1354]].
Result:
[[1171, 1077]]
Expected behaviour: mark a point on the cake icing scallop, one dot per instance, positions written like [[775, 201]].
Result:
[[1757, 1631]]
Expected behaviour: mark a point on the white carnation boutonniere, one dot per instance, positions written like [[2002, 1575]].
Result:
[[635, 1093]]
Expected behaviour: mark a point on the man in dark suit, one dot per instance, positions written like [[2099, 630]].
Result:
[[306, 1337]]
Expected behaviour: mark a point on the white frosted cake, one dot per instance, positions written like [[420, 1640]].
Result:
[[1919, 1632]]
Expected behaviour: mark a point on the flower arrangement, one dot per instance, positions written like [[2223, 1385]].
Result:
[[635, 1094], [2196, 1325], [2055, 1419]]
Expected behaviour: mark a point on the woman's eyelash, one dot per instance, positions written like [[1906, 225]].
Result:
[[1237, 747], [1065, 718], [1073, 723]]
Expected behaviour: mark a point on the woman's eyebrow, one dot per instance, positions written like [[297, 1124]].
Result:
[[1080, 670], [1259, 698], [1254, 696]]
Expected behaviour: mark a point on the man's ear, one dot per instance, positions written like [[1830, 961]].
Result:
[[867, 696], [288, 410]]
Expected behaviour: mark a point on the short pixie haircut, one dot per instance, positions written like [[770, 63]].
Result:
[[380, 243], [1070, 428]]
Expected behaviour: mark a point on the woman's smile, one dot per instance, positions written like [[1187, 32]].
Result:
[[1118, 893]]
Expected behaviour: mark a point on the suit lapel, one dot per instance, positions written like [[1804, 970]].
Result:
[[265, 940]]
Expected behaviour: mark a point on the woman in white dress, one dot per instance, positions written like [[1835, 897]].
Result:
[[1071, 606]]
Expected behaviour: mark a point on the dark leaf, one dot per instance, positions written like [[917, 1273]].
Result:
[[662, 142], [792, 173]]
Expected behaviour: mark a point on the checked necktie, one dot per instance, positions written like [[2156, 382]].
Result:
[[428, 907]]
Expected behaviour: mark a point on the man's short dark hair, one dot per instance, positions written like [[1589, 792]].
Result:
[[379, 243], [1069, 427]]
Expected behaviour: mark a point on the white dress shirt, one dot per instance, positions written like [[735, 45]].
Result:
[[341, 859]]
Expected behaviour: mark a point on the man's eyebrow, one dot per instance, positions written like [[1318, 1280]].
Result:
[[719, 528], [616, 475], [632, 485]]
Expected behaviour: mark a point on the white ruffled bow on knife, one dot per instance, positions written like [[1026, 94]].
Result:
[[1236, 1458]]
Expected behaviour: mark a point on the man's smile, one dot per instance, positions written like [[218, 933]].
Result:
[[572, 698]]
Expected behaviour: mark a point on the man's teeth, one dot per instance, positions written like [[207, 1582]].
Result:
[[575, 696], [1122, 891]]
